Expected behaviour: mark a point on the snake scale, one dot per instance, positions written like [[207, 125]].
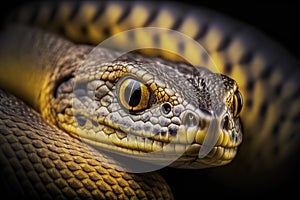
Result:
[[41, 160]]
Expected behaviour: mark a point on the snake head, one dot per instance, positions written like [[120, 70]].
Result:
[[151, 110]]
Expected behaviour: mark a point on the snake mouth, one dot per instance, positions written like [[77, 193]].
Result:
[[185, 146]]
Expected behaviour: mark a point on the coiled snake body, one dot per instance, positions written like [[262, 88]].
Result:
[[44, 152]]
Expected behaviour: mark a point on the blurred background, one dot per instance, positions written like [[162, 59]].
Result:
[[279, 20]]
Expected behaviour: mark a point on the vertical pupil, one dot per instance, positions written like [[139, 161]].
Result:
[[135, 97], [133, 93]]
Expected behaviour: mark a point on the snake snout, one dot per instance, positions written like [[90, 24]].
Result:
[[213, 131], [226, 125], [190, 119]]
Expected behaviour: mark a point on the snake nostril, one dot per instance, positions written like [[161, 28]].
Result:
[[226, 123], [190, 120]]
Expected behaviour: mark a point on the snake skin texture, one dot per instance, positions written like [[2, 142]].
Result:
[[41, 161], [267, 160]]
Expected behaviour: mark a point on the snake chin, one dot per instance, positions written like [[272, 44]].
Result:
[[217, 156]]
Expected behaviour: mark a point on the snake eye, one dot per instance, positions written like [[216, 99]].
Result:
[[133, 94], [237, 103]]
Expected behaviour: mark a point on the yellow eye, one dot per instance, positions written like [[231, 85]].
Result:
[[237, 103], [133, 95]]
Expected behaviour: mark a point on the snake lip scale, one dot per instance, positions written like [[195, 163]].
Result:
[[194, 143]]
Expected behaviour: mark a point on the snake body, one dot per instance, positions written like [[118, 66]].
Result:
[[41, 160]]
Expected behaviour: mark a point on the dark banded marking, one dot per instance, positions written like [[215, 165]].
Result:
[[75, 10], [250, 85], [263, 109], [278, 89], [177, 24], [62, 30], [249, 103], [228, 68], [83, 30], [282, 118], [99, 12], [106, 31], [126, 12], [265, 75], [201, 32], [151, 18], [224, 44], [275, 130], [246, 57]]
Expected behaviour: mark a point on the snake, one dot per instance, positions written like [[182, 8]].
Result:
[[52, 78]]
